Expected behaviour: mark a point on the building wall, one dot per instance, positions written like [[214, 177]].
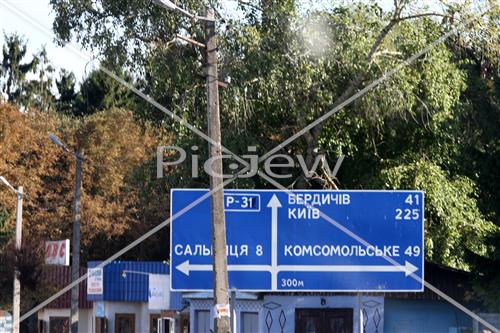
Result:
[[277, 313], [207, 305], [5, 322], [419, 316], [491, 318], [85, 318], [139, 309]]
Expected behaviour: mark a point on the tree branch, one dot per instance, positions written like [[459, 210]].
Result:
[[360, 76], [410, 17], [354, 84], [248, 4]]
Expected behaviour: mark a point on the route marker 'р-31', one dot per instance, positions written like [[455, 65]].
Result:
[[278, 241]]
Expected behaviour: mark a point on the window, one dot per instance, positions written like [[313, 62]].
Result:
[[202, 321], [323, 320], [249, 322], [59, 324], [124, 323], [158, 324], [185, 325], [153, 323], [101, 325]]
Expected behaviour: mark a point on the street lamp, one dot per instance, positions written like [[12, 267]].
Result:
[[75, 262], [2, 178], [221, 296], [16, 301], [58, 142], [169, 5]]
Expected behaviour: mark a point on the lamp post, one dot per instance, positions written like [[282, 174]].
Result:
[[75, 261], [16, 300], [222, 322], [169, 5]]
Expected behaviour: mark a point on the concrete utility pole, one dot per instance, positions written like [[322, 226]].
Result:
[[75, 261], [16, 299], [222, 322], [221, 297], [16, 303]]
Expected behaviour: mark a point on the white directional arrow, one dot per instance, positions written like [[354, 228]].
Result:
[[274, 204], [186, 268], [408, 268]]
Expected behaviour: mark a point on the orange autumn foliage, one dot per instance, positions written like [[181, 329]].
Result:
[[118, 172]]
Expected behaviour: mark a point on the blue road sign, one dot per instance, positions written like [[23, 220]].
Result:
[[302, 240]]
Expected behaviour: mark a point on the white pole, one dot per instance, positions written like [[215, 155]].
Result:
[[232, 308], [17, 285], [360, 311]]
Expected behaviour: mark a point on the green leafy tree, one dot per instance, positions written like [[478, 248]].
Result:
[[100, 92], [289, 65], [454, 224], [66, 86], [486, 283], [479, 159]]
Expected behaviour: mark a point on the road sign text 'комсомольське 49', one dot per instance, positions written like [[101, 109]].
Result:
[[302, 240]]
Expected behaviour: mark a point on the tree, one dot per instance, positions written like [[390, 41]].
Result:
[[479, 159], [37, 93], [14, 71], [17, 84], [115, 178], [454, 224], [486, 283], [267, 48], [100, 92], [66, 86], [289, 65], [120, 199], [25, 157]]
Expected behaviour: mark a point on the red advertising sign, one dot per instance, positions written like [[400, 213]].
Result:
[[57, 252]]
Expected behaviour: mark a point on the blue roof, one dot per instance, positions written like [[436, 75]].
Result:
[[133, 287]]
